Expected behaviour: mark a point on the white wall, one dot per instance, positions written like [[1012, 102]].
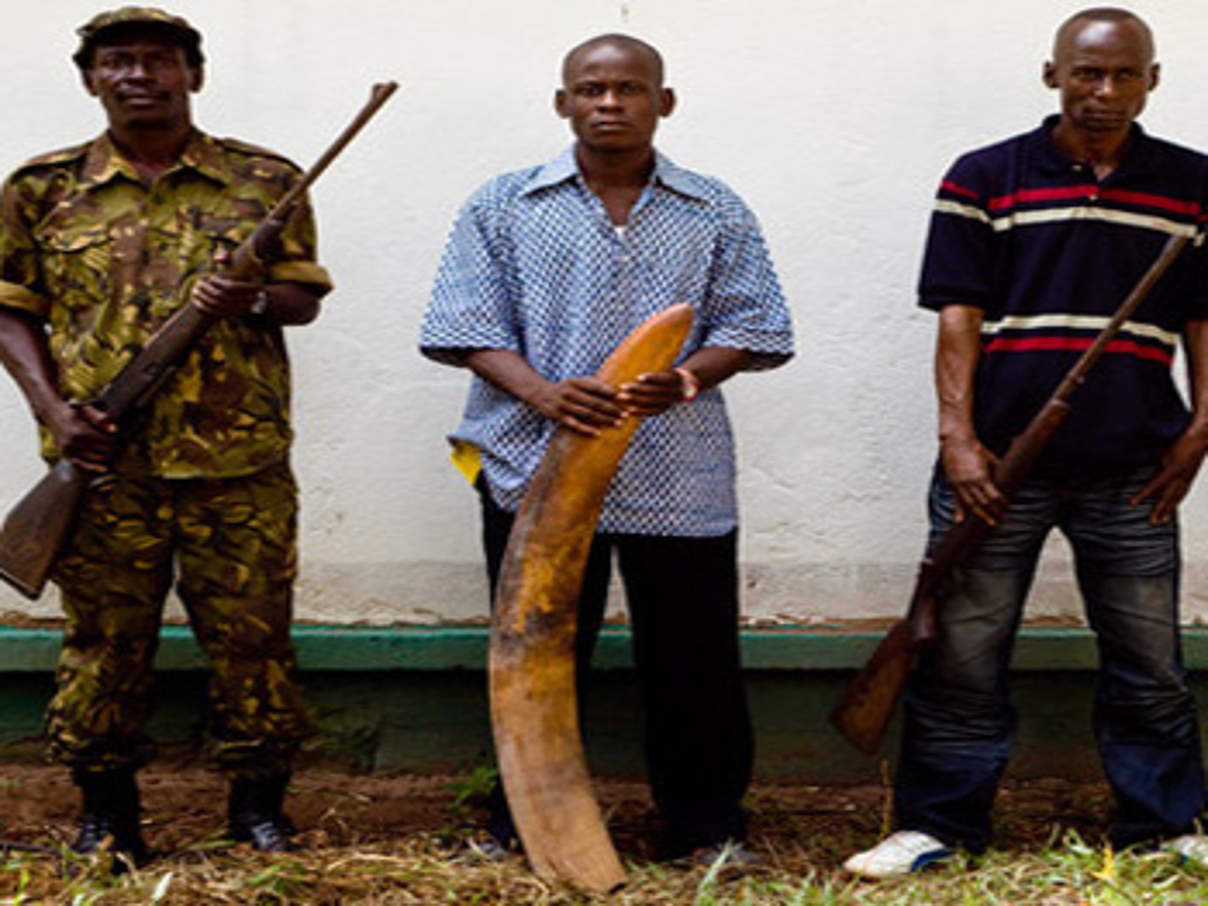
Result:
[[833, 119]]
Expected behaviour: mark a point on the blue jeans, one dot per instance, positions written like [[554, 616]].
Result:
[[959, 723]]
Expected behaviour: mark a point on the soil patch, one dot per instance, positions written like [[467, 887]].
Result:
[[184, 807]]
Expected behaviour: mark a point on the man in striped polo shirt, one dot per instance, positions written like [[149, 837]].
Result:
[[1034, 242]]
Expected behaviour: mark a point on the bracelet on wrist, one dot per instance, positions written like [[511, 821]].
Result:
[[689, 385], [260, 306]]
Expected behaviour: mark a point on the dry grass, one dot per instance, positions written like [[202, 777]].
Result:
[[421, 871], [375, 840]]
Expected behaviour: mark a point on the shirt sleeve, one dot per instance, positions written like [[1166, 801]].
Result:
[[958, 261], [1195, 306], [1196, 279], [20, 267], [745, 308], [471, 304], [296, 263]]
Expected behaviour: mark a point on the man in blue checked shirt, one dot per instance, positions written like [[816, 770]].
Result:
[[546, 271]]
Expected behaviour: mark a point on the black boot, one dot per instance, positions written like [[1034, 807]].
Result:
[[111, 811], [254, 813]]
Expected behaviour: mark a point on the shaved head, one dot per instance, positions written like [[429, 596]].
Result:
[[1114, 14], [626, 42], [1104, 69]]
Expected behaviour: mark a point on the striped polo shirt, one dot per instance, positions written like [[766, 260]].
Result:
[[1049, 252]]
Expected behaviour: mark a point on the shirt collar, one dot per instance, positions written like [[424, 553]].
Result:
[[1137, 158], [564, 168], [105, 161]]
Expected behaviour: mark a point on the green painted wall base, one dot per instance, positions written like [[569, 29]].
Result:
[[414, 698]]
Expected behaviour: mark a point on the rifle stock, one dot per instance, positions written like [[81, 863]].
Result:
[[864, 711], [37, 526]]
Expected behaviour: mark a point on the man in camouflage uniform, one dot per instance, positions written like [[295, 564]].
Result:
[[99, 244]]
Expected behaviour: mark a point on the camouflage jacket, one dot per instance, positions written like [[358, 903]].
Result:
[[104, 259]]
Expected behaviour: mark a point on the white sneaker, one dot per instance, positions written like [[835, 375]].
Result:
[[1190, 848], [898, 854]]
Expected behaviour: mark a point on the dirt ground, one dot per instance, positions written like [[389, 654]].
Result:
[[791, 823]]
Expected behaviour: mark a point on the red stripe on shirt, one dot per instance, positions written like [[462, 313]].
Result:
[[959, 190], [1062, 193], [1191, 208], [1055, 193], [1011, 344]]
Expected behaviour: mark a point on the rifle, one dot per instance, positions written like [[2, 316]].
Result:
[[863, 712], [36, 527]]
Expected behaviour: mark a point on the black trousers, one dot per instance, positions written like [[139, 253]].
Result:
[[682, 595]]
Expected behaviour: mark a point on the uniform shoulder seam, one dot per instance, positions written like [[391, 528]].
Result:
[[60, 156], [241, 147]]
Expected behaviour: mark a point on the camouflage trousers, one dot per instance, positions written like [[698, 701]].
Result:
[[233, 542]]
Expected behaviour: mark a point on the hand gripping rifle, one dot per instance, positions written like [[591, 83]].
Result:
[[865, 708], [36, 527]]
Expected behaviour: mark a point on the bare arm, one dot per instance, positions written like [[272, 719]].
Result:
[[967, 464], [582, 404], [1182, 460], [654, 393], [84, 434]]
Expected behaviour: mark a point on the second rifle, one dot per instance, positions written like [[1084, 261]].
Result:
[[863, 712]]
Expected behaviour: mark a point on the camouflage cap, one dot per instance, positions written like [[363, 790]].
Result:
[[137, 18]]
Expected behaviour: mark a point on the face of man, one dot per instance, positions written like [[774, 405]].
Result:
[[1104, 71], [613, 96], [143, 82]]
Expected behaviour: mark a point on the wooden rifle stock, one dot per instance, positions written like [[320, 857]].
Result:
[[36, 527], [864, 711]]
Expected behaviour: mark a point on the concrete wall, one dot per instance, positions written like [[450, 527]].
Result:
[[833, 119]]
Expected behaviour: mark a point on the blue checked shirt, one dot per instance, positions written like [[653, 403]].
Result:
[[534, 265]]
